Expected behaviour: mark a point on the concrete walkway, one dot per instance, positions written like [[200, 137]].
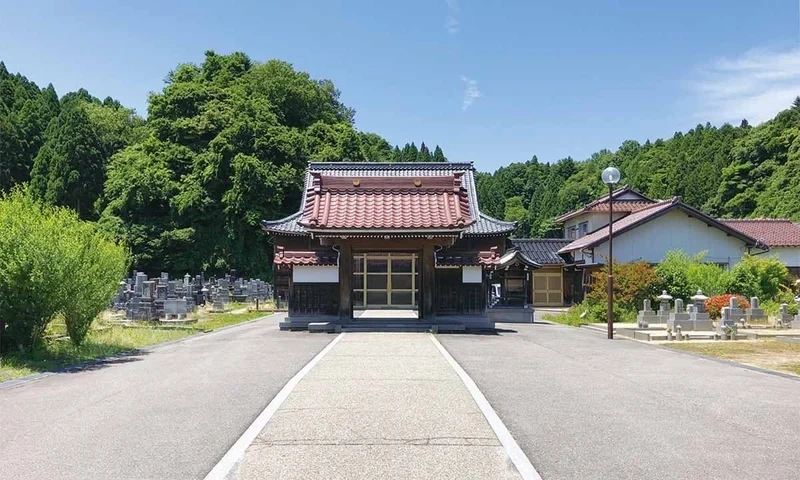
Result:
[[378, 405]]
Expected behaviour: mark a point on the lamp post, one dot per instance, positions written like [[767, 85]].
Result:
[[610, 177]]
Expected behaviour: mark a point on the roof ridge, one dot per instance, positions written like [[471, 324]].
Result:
[[761, 219]]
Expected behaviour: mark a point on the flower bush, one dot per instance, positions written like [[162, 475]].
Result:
[[715, 304]]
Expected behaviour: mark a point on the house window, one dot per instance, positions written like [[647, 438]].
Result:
[[573, 233], [583, 229]]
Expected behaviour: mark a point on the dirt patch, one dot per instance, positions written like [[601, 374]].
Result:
[[768, 353]]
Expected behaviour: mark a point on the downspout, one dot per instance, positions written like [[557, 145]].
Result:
[[335, 248]]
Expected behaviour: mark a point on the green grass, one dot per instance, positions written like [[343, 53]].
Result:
[[571, 317], [104, 341]]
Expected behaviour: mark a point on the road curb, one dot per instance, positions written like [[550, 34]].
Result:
[[234, 455], [512, 448], [17, 382]]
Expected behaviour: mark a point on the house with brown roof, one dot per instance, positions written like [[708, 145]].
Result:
[[644, 229], [392, 241], [781, 235]]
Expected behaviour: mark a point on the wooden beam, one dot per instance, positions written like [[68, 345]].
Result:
[[345, 282], [427, 289]]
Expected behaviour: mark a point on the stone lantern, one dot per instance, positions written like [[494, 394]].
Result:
[[664, 300], [699, 301]]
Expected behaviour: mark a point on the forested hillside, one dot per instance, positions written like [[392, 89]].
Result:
[[224, 145], [727, 171]]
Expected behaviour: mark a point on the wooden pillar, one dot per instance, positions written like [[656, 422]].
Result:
[[428, 289], [345, 282]]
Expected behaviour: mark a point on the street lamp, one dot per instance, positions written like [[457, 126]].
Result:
[[610, 177]]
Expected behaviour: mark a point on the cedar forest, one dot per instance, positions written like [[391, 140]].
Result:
[[225, 145]]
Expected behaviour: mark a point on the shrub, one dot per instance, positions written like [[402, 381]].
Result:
[[52, 263], [715, 304], [97, 264], [760, 277], [682, 275], [633, 282]]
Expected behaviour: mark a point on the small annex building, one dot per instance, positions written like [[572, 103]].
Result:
[[374, 241]]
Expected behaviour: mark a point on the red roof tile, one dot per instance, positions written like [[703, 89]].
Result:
[[620, 206], [601, 204], [345, 203], [636, 218], [774, 232], [315, 258]]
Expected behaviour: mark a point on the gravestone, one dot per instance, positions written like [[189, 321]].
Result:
[[139, 285], [796, 322], [175, 307], [755, 313], [165, 277], [726, 321], [679, 318], [187, 280], [222, 292], [784, 319], [171, 286], [646, 315]]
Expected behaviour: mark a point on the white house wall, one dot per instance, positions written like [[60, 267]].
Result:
[[789, 256], [675, 230], [595, 219]]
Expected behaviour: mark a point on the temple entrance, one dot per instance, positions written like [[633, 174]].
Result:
[[385, 285]]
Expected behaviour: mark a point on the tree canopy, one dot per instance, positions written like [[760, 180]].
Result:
[[224, 145]]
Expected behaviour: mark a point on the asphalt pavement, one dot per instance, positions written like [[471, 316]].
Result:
[[378, 405], [584, 407], [170, 412]]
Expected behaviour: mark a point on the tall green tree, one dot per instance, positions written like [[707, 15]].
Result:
[[70, 166]]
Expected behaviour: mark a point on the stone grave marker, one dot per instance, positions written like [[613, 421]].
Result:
[[646, 315]]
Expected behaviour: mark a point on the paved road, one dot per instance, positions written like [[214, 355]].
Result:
[[378, 405], [169, 413], [581, 406]]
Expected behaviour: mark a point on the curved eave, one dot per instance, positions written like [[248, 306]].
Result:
[[517, 256]]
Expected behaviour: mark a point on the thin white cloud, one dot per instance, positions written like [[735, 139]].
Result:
[[451, 23], [471, 92], [756, 85]]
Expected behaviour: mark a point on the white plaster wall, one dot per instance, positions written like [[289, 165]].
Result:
[[789, 256], [674, 231], [471, 274], [596, 220], [301, 274]]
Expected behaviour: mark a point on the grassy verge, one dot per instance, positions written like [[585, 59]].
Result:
[[571, 317], [770, 354], [107, 340]]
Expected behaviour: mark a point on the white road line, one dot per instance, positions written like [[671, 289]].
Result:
[[236, 452], [521, 461]]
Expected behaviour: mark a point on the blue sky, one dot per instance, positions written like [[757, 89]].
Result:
[[491, 82]]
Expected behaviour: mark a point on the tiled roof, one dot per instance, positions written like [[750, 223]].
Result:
[[774, 232], [642, 216], [286, 226], [316, 258], [620, 206], [483, 225], [337, 202], [516, 256], [601, 204], [459, 259], [543, 251]]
